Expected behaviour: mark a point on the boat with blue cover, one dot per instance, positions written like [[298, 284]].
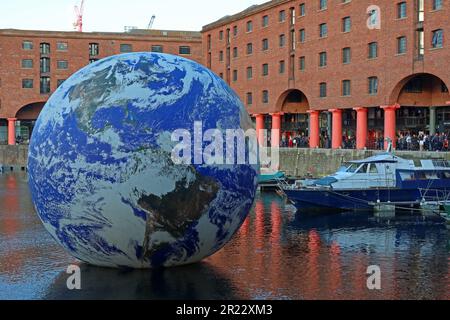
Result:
[[362, 184]]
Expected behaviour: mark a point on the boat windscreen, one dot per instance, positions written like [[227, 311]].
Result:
[[353, 167]]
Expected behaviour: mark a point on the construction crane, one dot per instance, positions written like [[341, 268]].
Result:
[[152, 20], [78, 24]]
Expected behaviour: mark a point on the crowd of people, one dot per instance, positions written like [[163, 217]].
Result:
[[406, 141], [423, 142], [301, 140]]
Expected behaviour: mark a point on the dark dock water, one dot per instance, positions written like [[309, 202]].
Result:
[[277, 254]]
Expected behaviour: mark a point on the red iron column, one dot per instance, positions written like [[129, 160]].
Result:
[[390, 124], [12, 131], [260, 129], [361, 128], [337, 128], [314, 129], [276, 130]]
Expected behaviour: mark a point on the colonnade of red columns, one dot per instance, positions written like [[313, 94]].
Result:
[[314, 127]]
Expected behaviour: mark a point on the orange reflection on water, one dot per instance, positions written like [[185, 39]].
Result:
[[11, 224], [335, 266], [10, 205], [259, 224]]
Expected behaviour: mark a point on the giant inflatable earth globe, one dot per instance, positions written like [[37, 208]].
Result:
[[101, 169]]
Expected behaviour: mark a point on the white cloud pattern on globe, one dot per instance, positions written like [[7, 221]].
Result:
[[101, 174]]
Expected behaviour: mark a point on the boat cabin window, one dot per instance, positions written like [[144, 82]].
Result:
[[353, 167], [407, 176], [441, 163], [432, 176], [373, 169], [421, 176], [363, 169]]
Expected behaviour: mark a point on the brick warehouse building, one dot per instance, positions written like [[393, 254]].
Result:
[[34, 63], [315, 67], [337, 67]]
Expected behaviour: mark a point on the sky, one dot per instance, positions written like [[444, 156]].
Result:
[[114, 15]]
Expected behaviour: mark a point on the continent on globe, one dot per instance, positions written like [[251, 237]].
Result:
[[177, 210], [100, 169]]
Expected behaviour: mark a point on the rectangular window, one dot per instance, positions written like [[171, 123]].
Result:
[[401, 10], [346, 88], [302, 35], [346, 55], [323, 90], [45, 85], [438, 38], [373, 85], [62, 46], [62, 64], [322, 4], [235, 52], [265, 21], [346, 24], [27, 83], [265, 96], [265, 69], [282, 16], [437, 4], [373, 50], [221, 35], [401, 45], [282, 68], [235, 75], [302, 63], [302, 10], [45, 65], [94, 49], [27, 45], [420, 44], [27, 63], [235, 31], [45, 48], [186, 50], [157, 48], [420, 8], [249, 98], [265, 44], [221, 56], [249, 26], [125, 48], [322, 59], [282, 40], [323, 30], [249, 48], [249, 73]]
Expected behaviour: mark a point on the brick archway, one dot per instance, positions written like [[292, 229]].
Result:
[[420, 89], [30, 111], [293, 101]]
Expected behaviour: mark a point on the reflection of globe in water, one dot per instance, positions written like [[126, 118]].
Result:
[[101, 174]]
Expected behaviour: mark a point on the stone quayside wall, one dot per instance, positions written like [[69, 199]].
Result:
[[295, 162]]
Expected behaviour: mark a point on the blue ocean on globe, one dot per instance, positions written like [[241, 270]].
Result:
[[100, 169]]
